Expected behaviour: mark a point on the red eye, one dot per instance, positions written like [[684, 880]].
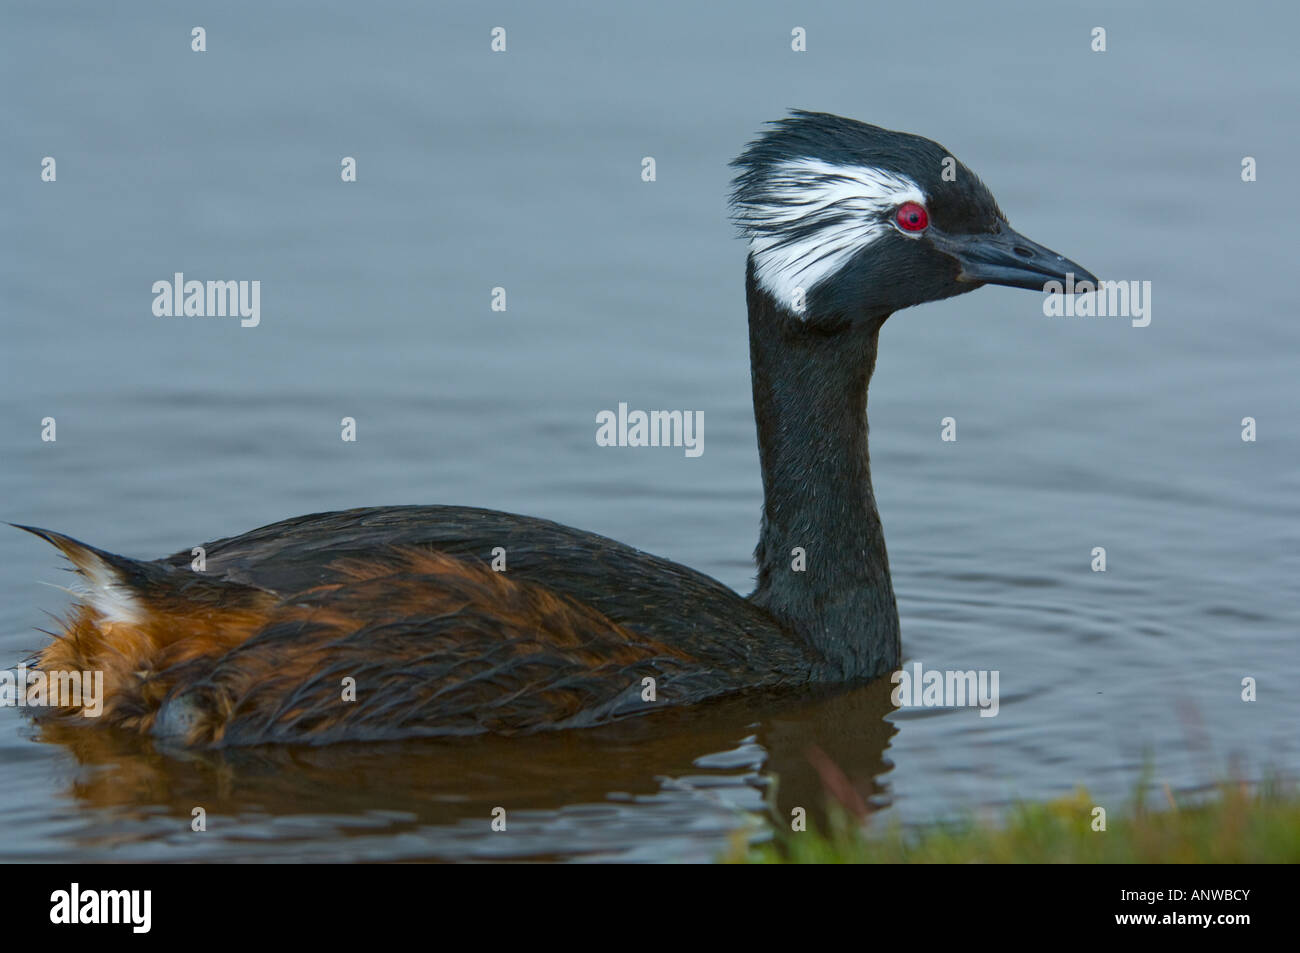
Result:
[[912, 217]]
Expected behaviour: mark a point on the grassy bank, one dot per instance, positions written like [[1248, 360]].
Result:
[[1236, 826]]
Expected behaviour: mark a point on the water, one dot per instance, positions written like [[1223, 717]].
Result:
[[522, 170]]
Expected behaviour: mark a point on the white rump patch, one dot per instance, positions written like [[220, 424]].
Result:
[[101, 588], [808, 217]]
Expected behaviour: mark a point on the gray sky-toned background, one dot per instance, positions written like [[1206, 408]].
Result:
[[522, 170]]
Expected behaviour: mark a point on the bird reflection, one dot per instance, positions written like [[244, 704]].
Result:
[[625, 789]]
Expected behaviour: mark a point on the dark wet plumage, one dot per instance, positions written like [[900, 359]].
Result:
[[392, 622]]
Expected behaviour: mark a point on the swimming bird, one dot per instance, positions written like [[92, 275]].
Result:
[[390, 622]]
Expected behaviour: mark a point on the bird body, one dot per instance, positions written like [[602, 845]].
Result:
[[403, 600], [391, 622]]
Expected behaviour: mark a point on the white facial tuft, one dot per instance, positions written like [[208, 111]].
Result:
[[806, 218]]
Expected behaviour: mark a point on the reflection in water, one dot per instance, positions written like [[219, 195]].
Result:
[[1074, 433], [678, 786]]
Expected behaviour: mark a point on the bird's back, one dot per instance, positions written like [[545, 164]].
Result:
[[391, 622]]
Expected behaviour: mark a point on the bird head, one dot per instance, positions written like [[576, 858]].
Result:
[[846, 219]]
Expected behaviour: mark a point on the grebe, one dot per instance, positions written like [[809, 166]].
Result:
[[389, 622]]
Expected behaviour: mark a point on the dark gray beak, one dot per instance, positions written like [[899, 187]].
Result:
[[1009, 258]]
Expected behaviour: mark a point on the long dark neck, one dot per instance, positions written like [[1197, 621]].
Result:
[[810, 403]]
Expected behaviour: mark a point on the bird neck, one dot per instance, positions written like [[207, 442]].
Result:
[[822, 568]]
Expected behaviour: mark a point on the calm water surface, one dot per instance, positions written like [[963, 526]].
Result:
[[522, 170]]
